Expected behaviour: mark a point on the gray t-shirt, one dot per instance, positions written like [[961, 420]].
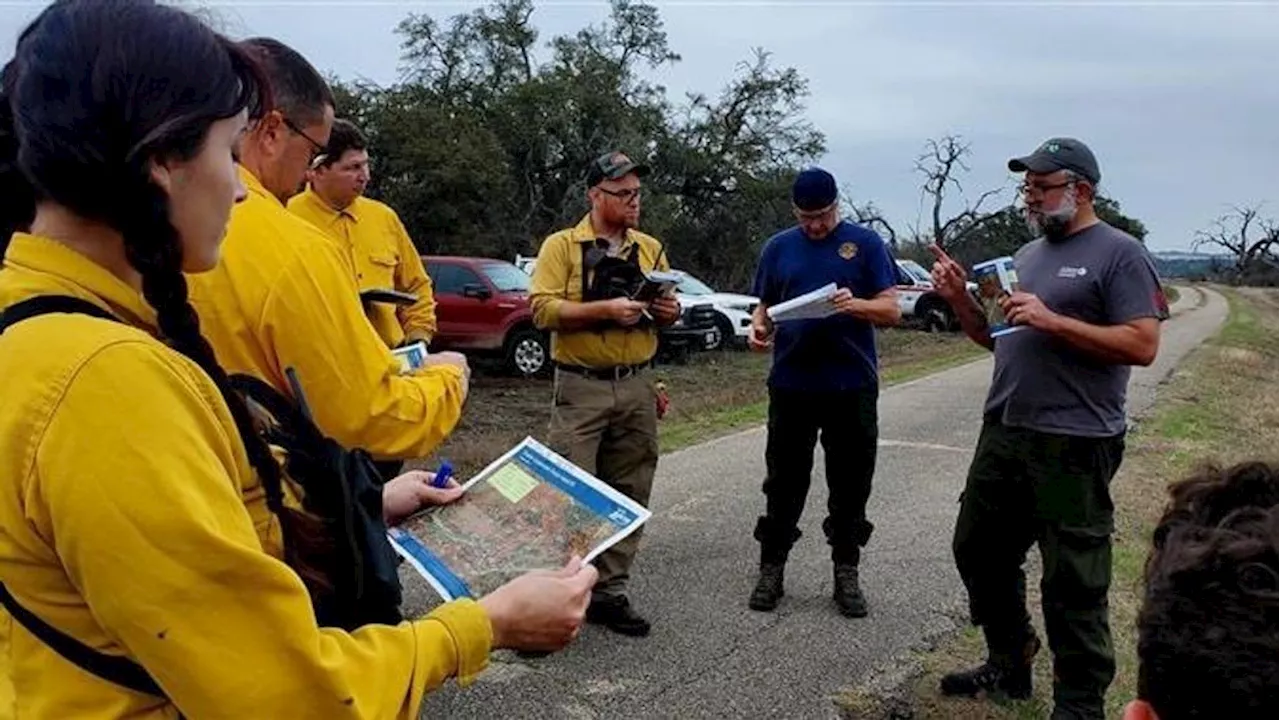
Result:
[[1102, 276]]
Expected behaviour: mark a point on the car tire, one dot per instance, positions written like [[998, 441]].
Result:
[[935, 315], [726, 337], [526, 353]]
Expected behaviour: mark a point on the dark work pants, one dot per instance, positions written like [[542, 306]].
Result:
[[846, 424], [1029, 487]]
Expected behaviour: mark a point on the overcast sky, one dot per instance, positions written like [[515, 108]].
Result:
[[1180, 101]]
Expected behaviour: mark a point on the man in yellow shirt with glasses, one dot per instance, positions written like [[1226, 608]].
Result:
[[604, 417], [284, 294], [376, 242]]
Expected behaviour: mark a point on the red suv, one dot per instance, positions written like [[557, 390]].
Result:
[[482, 308]]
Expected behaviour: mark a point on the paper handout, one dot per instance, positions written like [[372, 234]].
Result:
[[809, 306], [531, 509]]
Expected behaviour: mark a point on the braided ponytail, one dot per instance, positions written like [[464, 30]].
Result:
[[153, 249]]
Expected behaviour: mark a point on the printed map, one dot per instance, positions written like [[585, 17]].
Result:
[[506, 524]]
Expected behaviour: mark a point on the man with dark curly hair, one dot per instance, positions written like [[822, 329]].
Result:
[[1207, 631]]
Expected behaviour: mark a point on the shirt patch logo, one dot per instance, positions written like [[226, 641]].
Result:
[[847, 250], [1066, 271]]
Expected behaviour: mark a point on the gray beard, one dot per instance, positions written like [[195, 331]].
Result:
[[1051, 226]]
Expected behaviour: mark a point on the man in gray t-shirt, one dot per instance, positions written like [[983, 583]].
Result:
[[1103, 277], [1089, 304]]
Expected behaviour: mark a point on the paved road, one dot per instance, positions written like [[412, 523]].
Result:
[[709, 656]]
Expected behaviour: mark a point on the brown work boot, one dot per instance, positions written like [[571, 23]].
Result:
[[847, 594], [1000, 674], [768, 590]]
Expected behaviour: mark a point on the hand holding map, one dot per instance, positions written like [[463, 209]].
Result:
[[543, 609]]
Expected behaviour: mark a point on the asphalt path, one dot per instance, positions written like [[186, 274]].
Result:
[[709, 655]]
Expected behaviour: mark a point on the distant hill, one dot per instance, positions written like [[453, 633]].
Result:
[[1183, 264]]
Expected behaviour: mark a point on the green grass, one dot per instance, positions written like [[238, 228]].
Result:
[[1245, 327], [1171, 293], [684, 433]]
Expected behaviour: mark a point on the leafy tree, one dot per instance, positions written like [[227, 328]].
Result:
[[483, 145]]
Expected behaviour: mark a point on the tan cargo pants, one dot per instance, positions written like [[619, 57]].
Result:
[[610, 429]]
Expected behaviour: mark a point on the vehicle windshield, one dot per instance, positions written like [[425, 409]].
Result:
[[506, 277], [918, 273], [691, 285]]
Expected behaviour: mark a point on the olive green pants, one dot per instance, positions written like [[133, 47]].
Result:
[[1029, 487], [610, 429]]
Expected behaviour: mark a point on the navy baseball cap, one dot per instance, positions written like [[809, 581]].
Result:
[[613, 166], [814, 189], [1061, 153]]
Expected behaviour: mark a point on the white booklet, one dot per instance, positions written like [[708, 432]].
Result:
[[809, 306], [530, 509]]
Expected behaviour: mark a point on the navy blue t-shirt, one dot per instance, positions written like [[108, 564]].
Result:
[[837, 352]]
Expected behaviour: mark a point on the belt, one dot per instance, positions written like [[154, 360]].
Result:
[[615, 373]]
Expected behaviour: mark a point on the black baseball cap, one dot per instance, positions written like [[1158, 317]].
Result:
[[1060, 154], [612, 166]]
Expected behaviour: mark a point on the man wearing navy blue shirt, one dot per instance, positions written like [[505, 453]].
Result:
[[824, 383]]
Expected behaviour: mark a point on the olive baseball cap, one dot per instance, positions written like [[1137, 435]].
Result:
[[1060, 154], [612, 166]]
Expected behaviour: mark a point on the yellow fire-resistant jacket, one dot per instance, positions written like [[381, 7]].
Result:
[[130, 519]]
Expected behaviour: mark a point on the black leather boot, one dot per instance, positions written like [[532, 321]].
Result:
[[768, 590], [1007, 671], [847, 593]]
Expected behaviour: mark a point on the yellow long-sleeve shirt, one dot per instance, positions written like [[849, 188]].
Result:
[[557, 278], [131, 520], [284, 296], [383, 257]]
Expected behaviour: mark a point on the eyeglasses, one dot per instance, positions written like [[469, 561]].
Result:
[[626, 196], [316, 148], [1033, 189]]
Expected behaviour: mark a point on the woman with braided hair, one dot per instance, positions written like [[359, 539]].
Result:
[[148, 559]]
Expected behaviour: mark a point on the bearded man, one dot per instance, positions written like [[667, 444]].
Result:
[[1053, 433]]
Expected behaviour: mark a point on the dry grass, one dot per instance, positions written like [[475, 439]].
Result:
[[715, 393], [1220, 405]]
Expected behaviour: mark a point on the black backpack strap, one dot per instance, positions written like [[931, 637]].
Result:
[[585, 285], [113, 668], [46, 304], [281, 407]]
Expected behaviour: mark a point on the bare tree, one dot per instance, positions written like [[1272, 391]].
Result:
[[941, 164], [1243, 233], [871, 216]]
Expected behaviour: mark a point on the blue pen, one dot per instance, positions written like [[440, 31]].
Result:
[[442, 475]]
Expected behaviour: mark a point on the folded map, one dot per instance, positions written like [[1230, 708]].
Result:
[[531, 509]]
